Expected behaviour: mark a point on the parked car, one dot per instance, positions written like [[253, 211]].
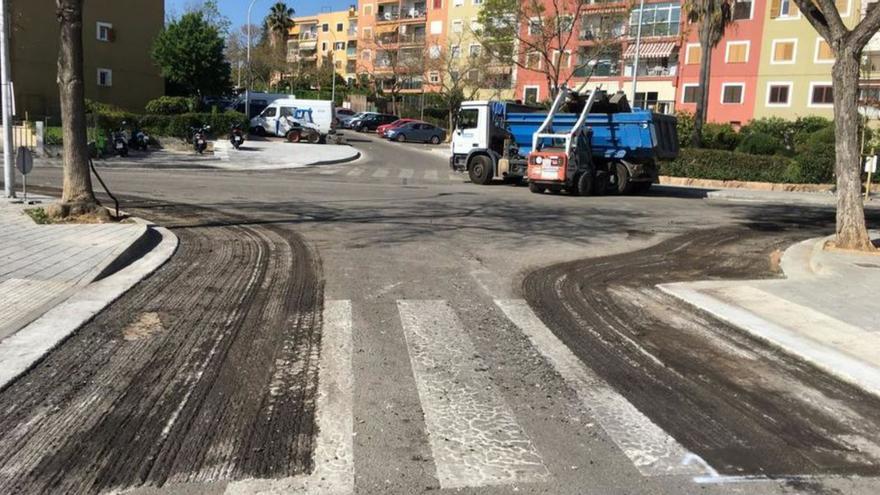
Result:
[[382, 129], [417, 131], [345, 116], [371, 121]]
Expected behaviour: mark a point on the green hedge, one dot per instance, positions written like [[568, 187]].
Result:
[[171, 125], [172, 105], [728, 165]]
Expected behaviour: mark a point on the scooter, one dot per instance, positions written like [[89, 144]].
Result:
[[120, 143], [140, 140], [200, 139], [236, 136]]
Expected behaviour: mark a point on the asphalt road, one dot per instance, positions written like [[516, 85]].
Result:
[[485, 356]]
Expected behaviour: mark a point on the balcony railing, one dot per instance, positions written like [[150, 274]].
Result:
[[600, 70], [650, 70], [658, 106], [391, 15], [417, 11], [414, 38]]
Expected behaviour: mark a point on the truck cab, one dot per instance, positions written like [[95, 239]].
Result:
[[481, 140]]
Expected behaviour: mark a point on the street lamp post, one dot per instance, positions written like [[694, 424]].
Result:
[[247, 90], [8, 173], [638, 47]]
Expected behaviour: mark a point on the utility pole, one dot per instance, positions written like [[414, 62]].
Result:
[[6, 94], [638, 48]]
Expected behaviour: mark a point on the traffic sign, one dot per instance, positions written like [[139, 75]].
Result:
[[24, 160]]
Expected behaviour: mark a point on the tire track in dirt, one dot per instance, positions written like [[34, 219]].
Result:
[[221, 387], [744, 407]]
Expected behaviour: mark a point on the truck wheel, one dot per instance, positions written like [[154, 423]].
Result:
[[480, 170], [585, 184], [600, 184], [622, 185], [536, 188], [259, 131], [294, 136], [313, 138]]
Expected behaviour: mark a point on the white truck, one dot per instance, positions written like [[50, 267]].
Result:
[[272, 120]]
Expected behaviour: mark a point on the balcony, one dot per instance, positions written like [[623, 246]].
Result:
[[652, 68], [387, 16], [414, 12], [351, 67], [417, 38]]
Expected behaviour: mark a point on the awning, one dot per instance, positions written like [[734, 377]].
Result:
[[650, 50], [386, 29]]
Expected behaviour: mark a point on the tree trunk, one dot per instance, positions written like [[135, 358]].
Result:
[[77, 190], [703, 97], [851, 230]]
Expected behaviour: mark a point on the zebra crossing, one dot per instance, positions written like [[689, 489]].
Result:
[[384, 174], [474, 435]]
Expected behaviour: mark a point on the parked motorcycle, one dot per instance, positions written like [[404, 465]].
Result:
[[119, 141], [200, 138], [236, 136], [140, 140]]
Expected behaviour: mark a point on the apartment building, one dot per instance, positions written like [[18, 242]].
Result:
[[399, 39], [465, 60], [117, 40], [329, 37]]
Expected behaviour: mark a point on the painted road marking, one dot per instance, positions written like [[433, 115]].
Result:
[[221, 150], [330, 171], [456, 177], [473, 433], [355, 172], [651, 450], [431, 175], [406, 173], [380, 173], [334, 445]]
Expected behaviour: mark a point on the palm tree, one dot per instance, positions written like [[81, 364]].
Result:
[[714, 17], [278, 22]]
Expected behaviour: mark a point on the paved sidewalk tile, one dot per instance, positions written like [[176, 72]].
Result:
[[42, 265]]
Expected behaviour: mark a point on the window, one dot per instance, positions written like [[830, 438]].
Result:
[[325, 27], [821, 94], [659, 19], [340, 45], [534, 26], [368, 10], [323, 46], [784, 51], [690, 93], [562, 59], [742, 10], [105, 77], [368, 33], [692, 54], [533, 60], [732, 93], [737, 52], [438, 4], [366, 55], [269, 112], [105, 31], [475, 26], [598, 61], [477, 2], [435, 51], [457, 26], [566, 23], [473, 75], [434, 77], [530, 94], [457, 3], [824, 55], [778, 94], [783, 9], [475, 50], [455, 51], [468, 118], [436, 27]]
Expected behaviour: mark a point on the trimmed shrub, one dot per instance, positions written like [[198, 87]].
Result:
[[727, 165], [815, 157], [685, 127], [172, 105], [759, 143], [720, 137]]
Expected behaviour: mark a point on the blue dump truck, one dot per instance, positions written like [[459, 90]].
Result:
[[586, 143]]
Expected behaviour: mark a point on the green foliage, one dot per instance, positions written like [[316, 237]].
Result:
[[171, 105], [720, 137], [177, 125], [700, 163], [816, 157], [789, 132], [760, 143], [39, 216], [190, 54], [685, 127]]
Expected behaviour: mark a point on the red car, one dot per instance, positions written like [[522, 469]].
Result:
[[382, 129]]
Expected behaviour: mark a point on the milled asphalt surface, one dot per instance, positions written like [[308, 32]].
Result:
[[389, 240]]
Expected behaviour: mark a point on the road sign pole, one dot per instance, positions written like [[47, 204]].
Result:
[[6, 106]]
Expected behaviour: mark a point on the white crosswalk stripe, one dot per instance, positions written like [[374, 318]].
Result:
[[355, 172], [380, 173], [330, 171], [405, 173], [652, 450], [431, 175], [474, 435]]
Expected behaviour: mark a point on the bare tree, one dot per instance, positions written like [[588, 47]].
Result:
[[77, 196], [534, 34], [392, 68], [847, 45]]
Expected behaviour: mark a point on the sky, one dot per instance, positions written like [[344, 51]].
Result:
[[236, 10]]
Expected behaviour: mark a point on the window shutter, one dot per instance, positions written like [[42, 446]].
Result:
[[775, 7]]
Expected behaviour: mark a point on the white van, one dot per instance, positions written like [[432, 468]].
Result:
[[269, 120], [259, 101]]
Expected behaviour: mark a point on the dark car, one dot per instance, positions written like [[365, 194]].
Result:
[[372, 121], [417, 131]]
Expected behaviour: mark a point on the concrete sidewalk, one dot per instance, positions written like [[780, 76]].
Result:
[[826, 310], [49, 275]]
